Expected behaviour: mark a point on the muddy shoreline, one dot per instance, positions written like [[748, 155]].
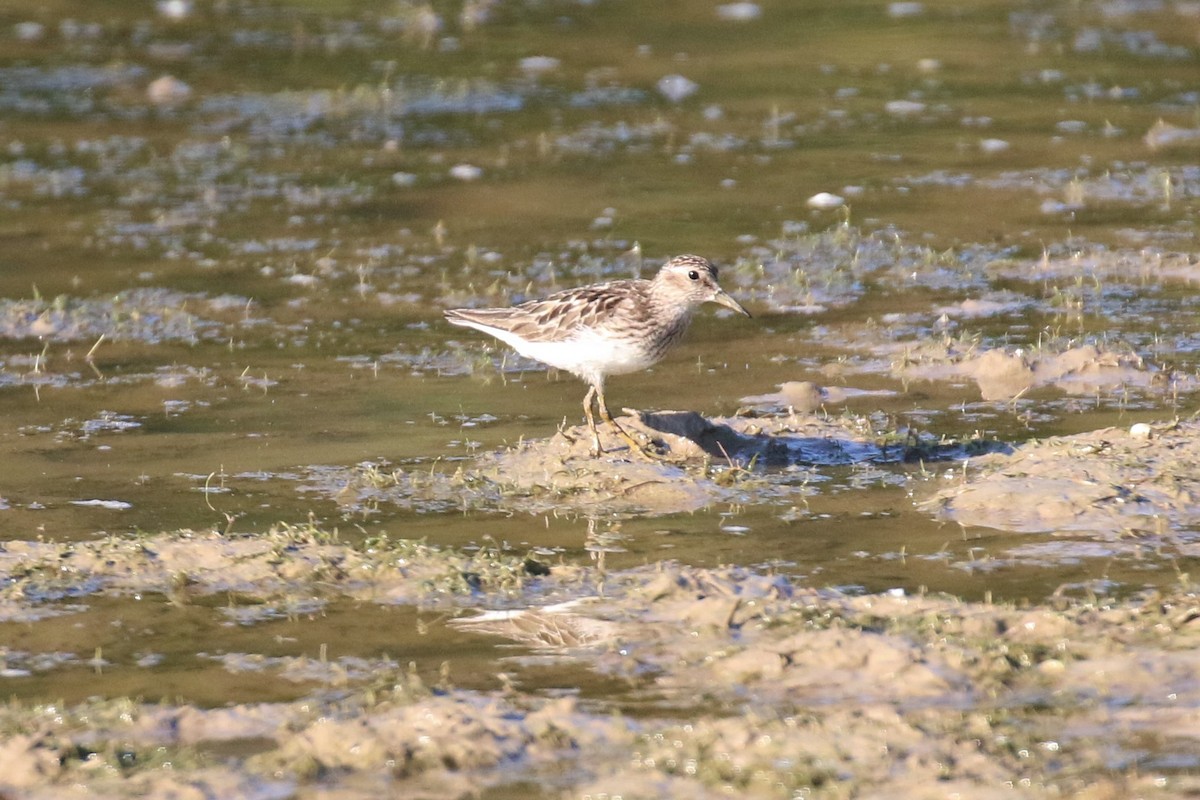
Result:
[[805, 689]]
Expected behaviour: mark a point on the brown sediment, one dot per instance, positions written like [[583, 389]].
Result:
[[1110, 484], [703, 461], [1005, 374], [741, 681]]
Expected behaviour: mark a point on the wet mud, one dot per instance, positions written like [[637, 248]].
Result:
[[1132, 489], [804, 690], [688, 462]]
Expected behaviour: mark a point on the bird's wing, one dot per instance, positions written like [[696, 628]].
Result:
[[555, 316]]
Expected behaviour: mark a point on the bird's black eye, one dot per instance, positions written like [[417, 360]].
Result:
[[694, 275]]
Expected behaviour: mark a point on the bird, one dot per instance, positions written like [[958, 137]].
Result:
[[611, 328]]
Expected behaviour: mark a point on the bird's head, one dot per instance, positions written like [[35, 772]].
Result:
[[692, 280]]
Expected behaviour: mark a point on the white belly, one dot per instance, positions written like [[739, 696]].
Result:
[[585, 354]]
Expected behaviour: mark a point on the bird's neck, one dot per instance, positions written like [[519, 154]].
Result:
[[667, 309]]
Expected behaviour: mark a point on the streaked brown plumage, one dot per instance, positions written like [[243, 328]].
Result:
[[605, 329]]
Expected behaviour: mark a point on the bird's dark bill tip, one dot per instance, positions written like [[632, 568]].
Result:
[[727, 300]]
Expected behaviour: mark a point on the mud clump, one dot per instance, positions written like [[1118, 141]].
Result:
[[1128, 488], [279, 566], [700, 461], [1006, 374]]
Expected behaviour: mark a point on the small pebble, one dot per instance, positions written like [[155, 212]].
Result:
[[677, 88], [466, 172], [904, 108], [825, 201], [174, 9], [739, 12], [1051, 666], [533, 66], [901, 10], [29, 31], [1140, 430], [167, 90]]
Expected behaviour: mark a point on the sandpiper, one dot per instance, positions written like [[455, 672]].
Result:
[[607, 328]]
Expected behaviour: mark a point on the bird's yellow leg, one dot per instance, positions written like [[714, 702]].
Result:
[[591, 421]]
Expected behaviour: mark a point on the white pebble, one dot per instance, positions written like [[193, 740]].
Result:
[[677, 88], [166, 90], [824, 201], [899, 10], [1140, 430], [904, 108], [992, 146], [29, 31], [538, 65], [739, 12], [466, 172], [174, 9]]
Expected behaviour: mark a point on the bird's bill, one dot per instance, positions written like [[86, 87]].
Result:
[[726, 299]]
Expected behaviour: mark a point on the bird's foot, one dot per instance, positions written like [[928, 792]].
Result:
[[645, 450]]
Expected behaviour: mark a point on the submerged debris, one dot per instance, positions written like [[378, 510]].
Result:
[[146, 315], [1165, 135]]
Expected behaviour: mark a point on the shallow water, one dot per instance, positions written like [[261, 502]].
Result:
[[221, 289]]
